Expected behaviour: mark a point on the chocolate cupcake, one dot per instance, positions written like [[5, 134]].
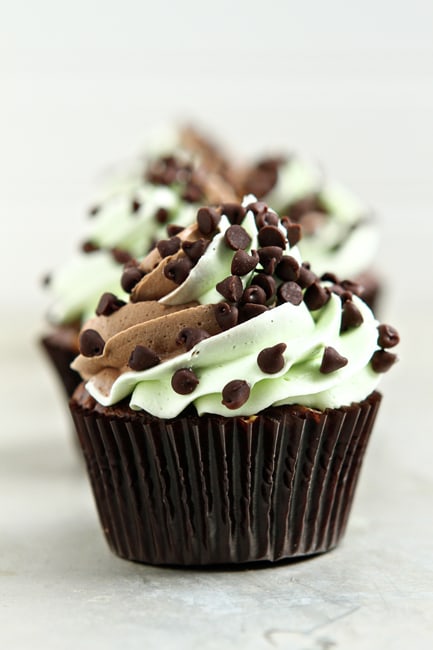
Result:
[[228, 405]]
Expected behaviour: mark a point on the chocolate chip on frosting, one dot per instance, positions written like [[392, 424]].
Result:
[[135, 205], [130, 276], [288, 269], [271, 236], [161, 215], [329, 277], [93, 211], [143, 358], [242, 263], [237, 238], [266, 218], [173, 229], [250, 310], [226, 315], [108, 304], [235, 394], [89, 247], [91, 343], [306, 277], [271, 360], [332, 361], [354, 287], [254, 294], [294, 231], [381, 361], [208, 220], [184, 381], [267, 283], [257, 207], [350, 317], [290, 292], [269, 257], [230, 288], [178, 270], [316, 296], [120, 256], [190, 336], [234, 212], [388, 336], [195, 249], [168, 247], [192, 193]]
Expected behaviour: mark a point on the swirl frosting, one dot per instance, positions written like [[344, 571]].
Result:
[[227, 317]]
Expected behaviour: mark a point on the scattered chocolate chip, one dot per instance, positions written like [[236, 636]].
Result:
[[184, 381], [250, 310], [316, 296], [89, 247], [271, 236], [130, 276], [381, 361], [306, 277], [271, 360], [173, 229], [329, 277], [242, 263], [332, 361], [305, 206], [350, 316], [234, 212], [288, 269], [195, 249], [269, 257], [226, 315], [262, 177], [343, 293], [388, 336], [46, 280], [108, 304], [161, 215], [178, 270], [190, 336], [135, 206], [120, 256], [254, 294], [266, 218], [208, 220], [237, 238], [290, 292], [91, 343], [354, 287], [294, 231], [235, 394], [93, 211], [143, 358], [230, 288], [168, 247], [267, 283], [257, 207], [192, 193]]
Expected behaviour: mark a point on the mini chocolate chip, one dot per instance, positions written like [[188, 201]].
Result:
[[305, 206], [237, 238], [294, 231], [108, 304], [271, 360], [234, 212], [195, 249], [306, 277], [332, 361], [388, 336], [93, 211], [230, 288], [254, 294], [257, 207], [381, 361], [269, 257], [251, 310], [161, 215], [178, 270], [290, 292], [135, 205], [173, 229], [329, 277], [226, 315], [350, 316], [208, 220], [89, 247], [120, 256], [46, 280], [190, 336], [143, 358], [354, 287], [316, 296], [266, 218], [184, 381], [192, 193], [267, 283], [130, 276], [343, 293], [91, 343], [235, 394], [271, 236], [168, 247], [287, 269], [242, 263]]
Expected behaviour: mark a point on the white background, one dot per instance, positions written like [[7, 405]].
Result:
[[81, 84]]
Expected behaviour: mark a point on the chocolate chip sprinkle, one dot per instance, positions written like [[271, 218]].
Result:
[[130, 276], [254, 294], [306, 277], [350, 316], [329, 277], [242, 263], [190, 336], [388, 336], [237, 238], [230, 288], [234, 212], [168, 247], [269, 257], [381, 361], [290, 292], [184, 381], [108, 304], [135, 206], [161, 215], [143, 358], [257, 207], [316, 296], [294, 231], [195, 249], [251, 310], [332, 361], [89, 247], [91, 343], [226, 315], [271, 236], [208, 220], [120, 256], [288, 269], [266, 218], [235, 394], [178, 270], [271, 360], [173, 229], [267, 283]]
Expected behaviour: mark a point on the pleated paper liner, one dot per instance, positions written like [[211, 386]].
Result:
[[214, 490], [61, 348]]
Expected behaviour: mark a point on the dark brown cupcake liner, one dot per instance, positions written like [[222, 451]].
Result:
[[213, 490], [61, 351]]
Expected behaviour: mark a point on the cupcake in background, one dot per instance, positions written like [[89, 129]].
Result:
[[228, 404], [339, 231]]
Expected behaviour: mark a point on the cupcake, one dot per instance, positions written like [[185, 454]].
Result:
[[226, 407], [339, 230]]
